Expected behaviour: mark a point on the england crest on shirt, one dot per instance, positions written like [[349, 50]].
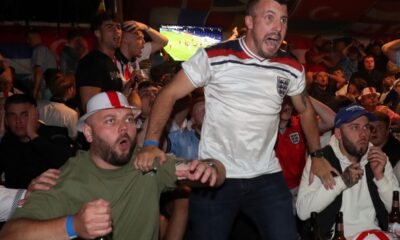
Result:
[[282, 85], [294, 137]]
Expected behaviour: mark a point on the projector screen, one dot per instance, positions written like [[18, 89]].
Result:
[[185, 40]]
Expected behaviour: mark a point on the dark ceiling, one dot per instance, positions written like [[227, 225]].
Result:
[[355, 17]]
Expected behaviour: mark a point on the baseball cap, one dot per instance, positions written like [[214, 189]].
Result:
[[106, 100], [350, 113], [368, 91]]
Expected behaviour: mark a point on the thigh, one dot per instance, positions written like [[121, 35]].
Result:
[[213, 211], [269, 205]]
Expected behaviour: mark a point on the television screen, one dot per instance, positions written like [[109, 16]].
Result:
[[185, 40]]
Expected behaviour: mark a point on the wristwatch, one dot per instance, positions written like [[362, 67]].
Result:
[[317, 154]]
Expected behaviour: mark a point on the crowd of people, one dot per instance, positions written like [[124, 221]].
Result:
[[109, 142]]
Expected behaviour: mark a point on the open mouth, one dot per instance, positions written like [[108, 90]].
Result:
[[273, 40], [116, 39], [124, 143]]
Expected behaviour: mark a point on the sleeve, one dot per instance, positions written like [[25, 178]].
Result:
[[166, 174], [53, 203], [198, 69], [387, 185], [298, 84], [72, 124], [314, 197], [38, 56], [396, 171], [8, 201], [91, 73]]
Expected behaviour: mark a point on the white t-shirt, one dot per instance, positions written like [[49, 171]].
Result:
[[243, 95]]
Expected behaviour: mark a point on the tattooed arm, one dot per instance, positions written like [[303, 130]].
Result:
[[320, 166]]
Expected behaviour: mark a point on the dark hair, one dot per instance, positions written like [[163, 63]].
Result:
[[61, 84], [146, 84], [72, 34], [339, 102], [100, 19], [252, 3], [359, 82], [380, 116], [50, 75], [19, 98]]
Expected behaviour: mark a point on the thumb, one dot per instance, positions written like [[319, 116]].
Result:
[[181, 174]]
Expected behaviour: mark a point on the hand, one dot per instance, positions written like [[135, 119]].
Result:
[[44, 182], [32, 123], [322, 168], [352, 174], [145, 158], [145, 64], [377, 160], [93, 219], [132, 26], [198, 171], [235, 32]]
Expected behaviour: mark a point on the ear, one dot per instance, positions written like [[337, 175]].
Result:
[[97, 33], [88, 132], [338, 135], [248, 20]]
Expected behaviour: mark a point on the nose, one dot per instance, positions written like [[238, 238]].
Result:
[[277, 26], [123, 127]]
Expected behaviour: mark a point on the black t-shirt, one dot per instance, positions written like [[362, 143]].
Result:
[[98, 70]]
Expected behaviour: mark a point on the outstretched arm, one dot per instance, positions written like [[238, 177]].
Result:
[[390, 49], [158, 41], [194, 173], [326, 116], [92, 220], [160, 113], [320, 166]]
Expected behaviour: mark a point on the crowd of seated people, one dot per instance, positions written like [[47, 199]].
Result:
[[38, 125]]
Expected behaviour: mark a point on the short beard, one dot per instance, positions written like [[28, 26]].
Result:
[[351, 148], [108, 154]]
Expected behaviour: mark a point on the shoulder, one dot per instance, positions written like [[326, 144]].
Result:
[[287, 60], [227, 48]]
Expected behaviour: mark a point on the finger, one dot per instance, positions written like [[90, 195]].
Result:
[[39, 187], [101, 232], [206, 175], [181, 174], [193, 165], [135, 162], [213, 179]]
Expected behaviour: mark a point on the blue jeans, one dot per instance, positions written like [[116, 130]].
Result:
[[266, 200]]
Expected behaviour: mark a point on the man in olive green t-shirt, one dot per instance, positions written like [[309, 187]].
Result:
[[99, 191]]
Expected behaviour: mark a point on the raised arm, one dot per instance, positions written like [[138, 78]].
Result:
[[160, 113], [390, 49], [326, 116], [320, 166], [158, 41]]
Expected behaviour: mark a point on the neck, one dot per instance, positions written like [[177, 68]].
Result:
[[352, 159], [125, 51], [107, 51], [100, 163]]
